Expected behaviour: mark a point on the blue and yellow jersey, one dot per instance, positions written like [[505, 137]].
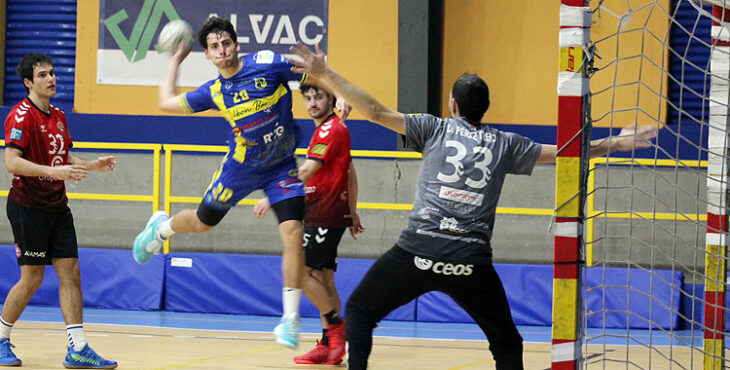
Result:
[[257, 103]]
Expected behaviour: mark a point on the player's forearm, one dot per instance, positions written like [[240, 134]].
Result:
[[352, 189], [23, 167], [601, 147], [90, 165], [167, 91], [359, 99]]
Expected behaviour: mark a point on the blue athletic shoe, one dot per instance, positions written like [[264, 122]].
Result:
[[86, 359], [7, 357], [287, 332], [149, 242]]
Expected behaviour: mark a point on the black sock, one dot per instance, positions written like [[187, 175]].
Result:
[[332, 318], [325, 339]]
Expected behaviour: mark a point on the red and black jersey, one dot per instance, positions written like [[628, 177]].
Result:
[[327, 191], [44, 139]]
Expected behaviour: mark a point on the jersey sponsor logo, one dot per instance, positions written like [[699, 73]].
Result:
[[60, 126], [422, 263], [461, 196], [274, 134], [16, 134], [18, 253], [250, 107], [319, 149], [265, 57], [443, 268], [290, 183], [310, 189], [33, 254], [450, 224]]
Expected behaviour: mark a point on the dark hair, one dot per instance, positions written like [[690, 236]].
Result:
[[306, 87], [215, 25], [472, 97], [28, 63]]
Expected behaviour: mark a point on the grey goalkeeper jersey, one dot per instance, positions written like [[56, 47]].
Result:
[[459, 184]]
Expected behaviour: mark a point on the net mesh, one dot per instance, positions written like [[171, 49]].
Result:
[[654, 235]]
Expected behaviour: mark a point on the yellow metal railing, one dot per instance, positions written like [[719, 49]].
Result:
[[154, 198], [169, 198], [591, 213]]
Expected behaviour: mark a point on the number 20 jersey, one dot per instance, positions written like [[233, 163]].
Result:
[[459, 184], [44, 139], [257, 104]]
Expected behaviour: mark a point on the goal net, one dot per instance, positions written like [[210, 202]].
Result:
[[644, 245]]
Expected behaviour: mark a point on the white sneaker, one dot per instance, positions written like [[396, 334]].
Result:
[[287, 332], [149, 242]]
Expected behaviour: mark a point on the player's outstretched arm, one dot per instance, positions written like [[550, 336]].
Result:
[[168, 97], [630, 138], [373, 110], [16, 164], [101, 164]]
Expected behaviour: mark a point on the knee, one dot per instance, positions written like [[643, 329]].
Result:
[[32, 281], [201, 227]]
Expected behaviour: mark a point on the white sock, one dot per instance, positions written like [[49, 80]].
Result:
[[165, 229], [5, 328], [76, 337], [291, 298]]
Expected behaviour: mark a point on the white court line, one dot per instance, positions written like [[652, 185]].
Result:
[[54, 334], [140, 336]]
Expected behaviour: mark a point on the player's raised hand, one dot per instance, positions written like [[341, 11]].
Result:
[[260, 208], [344, 108], [72, 172], [105, 164], [181, 53], [308, 62]]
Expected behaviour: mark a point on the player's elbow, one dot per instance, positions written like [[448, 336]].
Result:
[[375, 113], [304, 175]]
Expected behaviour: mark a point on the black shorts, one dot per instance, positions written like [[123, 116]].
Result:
[[320, 246], [42, 235]]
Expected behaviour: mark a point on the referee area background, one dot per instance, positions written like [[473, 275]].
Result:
[[406, 53]]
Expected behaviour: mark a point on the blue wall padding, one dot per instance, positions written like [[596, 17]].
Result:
[[653, 297], [109, 279], [529, 292], [250, 284]]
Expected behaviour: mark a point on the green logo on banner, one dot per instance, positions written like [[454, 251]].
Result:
[[136, 45]]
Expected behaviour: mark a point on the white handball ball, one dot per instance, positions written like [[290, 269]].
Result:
[[174, 33]]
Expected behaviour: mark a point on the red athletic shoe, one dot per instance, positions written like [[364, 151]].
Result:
[[336, 334], [316, 356]]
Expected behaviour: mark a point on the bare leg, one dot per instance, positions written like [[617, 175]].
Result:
[[292, 260], [31, 278], [187, 221], [317, 292], [69, 289]]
